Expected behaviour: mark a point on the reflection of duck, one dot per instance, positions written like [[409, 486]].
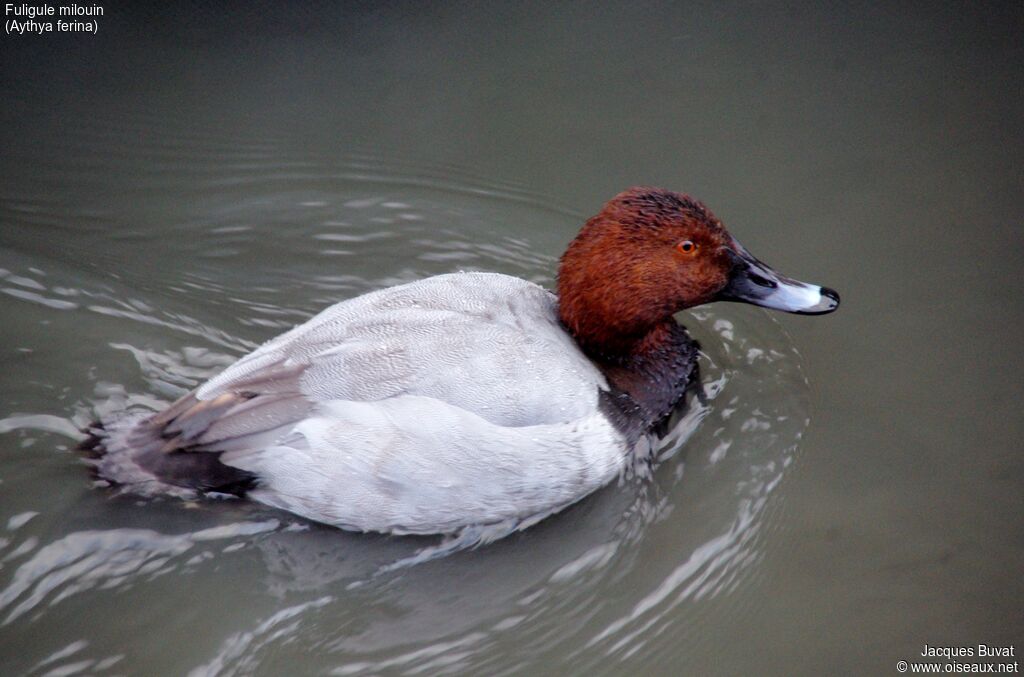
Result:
[[464, 399]]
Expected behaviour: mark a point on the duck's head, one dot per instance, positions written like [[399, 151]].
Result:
[[650, 253]]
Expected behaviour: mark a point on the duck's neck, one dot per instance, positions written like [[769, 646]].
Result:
[[649, 377]]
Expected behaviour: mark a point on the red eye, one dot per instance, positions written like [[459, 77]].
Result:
[[687, 246]]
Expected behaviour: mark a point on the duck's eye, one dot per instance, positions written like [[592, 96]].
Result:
[[687, 246]]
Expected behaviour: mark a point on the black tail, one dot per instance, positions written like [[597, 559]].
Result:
[[135, 452]]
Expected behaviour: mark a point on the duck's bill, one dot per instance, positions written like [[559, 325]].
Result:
[[751, 281]]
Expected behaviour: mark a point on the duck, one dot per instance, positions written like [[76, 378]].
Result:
[[461, 400]]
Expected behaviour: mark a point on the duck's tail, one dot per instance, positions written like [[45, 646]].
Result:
[[143, 454]]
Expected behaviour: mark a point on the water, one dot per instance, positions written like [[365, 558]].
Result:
[[171, 198]]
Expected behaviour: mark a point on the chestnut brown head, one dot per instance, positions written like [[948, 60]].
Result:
[[650, 253]]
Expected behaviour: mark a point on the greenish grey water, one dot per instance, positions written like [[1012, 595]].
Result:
[[194, 180]]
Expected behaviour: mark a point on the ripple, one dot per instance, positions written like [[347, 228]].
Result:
[[85, 560], [241, 651], [40, 422]]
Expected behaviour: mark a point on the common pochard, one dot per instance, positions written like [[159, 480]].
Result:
[[461, 400]]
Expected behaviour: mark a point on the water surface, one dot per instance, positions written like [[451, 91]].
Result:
[[171, 198]]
